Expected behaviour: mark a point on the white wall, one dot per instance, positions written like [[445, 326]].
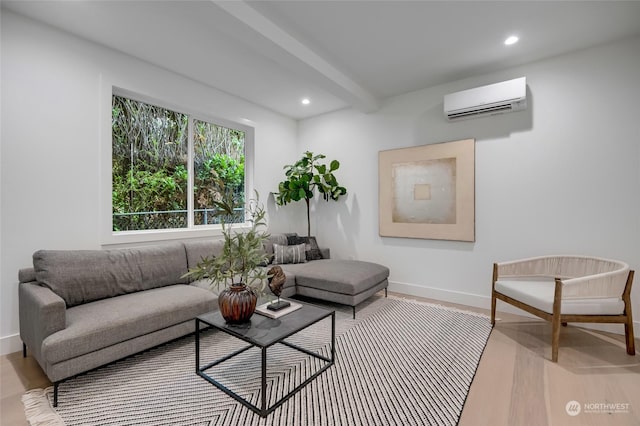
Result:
[[52, 101], [561, 177]]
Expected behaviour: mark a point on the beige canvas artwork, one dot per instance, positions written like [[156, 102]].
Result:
[[424, 191], [428, 191]]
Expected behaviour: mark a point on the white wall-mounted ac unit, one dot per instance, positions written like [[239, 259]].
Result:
[[492, 99]]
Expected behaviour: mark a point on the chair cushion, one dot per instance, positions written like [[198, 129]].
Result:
[[540, 293]]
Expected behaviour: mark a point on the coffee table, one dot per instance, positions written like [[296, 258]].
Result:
[[263, 332]]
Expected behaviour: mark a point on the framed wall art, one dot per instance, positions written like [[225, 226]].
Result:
[[428, 191]]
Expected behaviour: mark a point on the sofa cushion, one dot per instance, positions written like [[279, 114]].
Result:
[[96, 325], [82, 276], [339, 276], [199, 249], [289, 254], [280, 239]]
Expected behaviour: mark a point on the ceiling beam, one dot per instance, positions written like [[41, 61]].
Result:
[[321, 71]]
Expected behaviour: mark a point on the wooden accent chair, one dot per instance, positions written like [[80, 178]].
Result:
[[564, 289]]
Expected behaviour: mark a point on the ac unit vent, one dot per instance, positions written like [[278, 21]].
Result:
[[493, 99]]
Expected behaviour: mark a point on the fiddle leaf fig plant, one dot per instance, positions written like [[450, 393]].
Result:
[[304, 177]]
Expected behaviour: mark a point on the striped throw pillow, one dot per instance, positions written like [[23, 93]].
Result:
[[289, 254]]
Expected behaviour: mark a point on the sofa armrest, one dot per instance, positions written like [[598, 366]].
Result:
[[26, 275], [42, 313]]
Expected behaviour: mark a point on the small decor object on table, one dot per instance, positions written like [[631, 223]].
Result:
[[237, 303], [264, 310], [276, 282]]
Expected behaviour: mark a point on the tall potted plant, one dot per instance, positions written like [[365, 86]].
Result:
[[304, 177], [238, 268]]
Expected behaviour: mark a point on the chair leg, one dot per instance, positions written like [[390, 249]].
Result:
[[494, 278], [628, 333], [555, 321], [555, 340], [493, 309], [628, 326]]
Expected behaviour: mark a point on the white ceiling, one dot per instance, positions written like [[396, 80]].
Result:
[[337, 53]]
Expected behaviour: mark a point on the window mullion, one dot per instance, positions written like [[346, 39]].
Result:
[[191, 170]]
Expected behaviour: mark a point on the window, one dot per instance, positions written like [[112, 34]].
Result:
[[162, 165]]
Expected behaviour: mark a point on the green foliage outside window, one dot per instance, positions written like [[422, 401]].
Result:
[[150, 167]]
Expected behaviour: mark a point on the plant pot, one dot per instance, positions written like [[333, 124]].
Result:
[[237, 303]]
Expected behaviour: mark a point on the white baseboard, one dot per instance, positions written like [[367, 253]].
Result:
[[460, 297], [484, 302], [10, 344]]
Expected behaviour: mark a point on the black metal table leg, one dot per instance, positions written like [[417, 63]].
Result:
[[333, 337], [263, 410], [197, 345]]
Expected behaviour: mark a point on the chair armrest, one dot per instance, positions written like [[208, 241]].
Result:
[[42, 313], [607, 284]]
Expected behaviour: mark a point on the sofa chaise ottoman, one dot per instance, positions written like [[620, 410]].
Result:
[[348, 282]]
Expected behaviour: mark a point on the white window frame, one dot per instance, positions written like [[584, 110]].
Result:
[[109, 237]]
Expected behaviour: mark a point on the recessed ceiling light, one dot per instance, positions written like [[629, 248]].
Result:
[[511, 40], [306, 101]]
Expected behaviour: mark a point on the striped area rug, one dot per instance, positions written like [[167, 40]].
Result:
[[400, 363]]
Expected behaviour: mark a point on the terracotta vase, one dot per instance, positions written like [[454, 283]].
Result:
[[237, 303]]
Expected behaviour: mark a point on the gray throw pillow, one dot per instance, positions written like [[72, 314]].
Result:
[[312, 251], [289, 254], [292, 238]]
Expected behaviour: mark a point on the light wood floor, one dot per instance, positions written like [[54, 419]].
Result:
[[516, 383]]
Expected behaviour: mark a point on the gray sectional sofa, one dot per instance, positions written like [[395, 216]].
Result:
[[80, 309]]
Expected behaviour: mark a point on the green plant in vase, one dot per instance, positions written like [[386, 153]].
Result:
[[239, 266], [304, 177]]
